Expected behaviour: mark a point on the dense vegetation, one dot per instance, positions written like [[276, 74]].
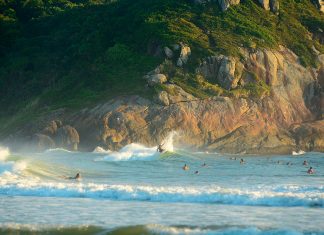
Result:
[[68, 53]]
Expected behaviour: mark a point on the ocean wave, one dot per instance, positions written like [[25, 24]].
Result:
[[15, 186], [99, 149], [150, 229], [132, 152], [136, 152], [58, 150], [216, 230]]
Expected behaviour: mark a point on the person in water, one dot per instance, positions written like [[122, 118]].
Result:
[[311, 170], [242, 161], [305, 163], [76, 177], [197, 172], [185, 167], [160, 149], [204, 165]]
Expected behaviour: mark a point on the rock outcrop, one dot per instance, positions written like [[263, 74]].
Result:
[[309, 136], [224, 4], [156, 79], [319, 4], [50, 134], [67, 137], [289, 117], [226, 71], [272, 5], [184, 55]]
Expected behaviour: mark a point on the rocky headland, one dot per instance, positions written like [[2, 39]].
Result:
[[286, 117]]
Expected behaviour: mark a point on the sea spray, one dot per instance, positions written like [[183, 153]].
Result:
[[4, 153], [132, 152], [167, 143], [99, 149]]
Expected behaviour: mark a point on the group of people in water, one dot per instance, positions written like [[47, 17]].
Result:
[[160, 149], [242, 161], [186, 168]]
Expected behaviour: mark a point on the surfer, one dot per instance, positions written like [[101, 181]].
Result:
[[160, 149], [305, 163], [185, 167], [310, 170], [76, 177]]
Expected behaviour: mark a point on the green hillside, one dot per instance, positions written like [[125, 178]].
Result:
[[68, 53]]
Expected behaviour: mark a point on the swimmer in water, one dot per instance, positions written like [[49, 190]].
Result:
[[204, 165], [197, 172], [305, 163], [76, 177], [311, 171], [185, 167], [160, 149], [242, 161]]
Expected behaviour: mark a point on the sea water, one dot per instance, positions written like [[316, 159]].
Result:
[[140, 191]]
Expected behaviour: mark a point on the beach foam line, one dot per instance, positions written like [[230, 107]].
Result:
[[18, 186]]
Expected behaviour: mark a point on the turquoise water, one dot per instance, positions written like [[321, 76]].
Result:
[[139, 191]]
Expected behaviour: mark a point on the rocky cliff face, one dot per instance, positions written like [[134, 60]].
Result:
[[289, 117]]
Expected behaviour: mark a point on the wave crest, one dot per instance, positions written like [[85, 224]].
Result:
[[212, 194]]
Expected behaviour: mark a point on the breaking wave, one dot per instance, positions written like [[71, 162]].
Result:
[[14, 185], [153, 229], [135, 152]]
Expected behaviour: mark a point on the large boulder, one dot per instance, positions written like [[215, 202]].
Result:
[[184, 55], [225, 4], [156, 79], [43, 142], [274, 6], [265, 4], [226, 71], [319, 4], [162, 98], [67, 137], [309, 136], [51, 128], [168, 52]]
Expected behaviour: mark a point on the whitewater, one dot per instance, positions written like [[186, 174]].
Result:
[[139, 189]]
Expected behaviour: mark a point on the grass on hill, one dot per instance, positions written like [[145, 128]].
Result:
[[71, 53]]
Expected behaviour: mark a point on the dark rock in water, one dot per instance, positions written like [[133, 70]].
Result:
[[309, 136], [67, 137], [43, 142]]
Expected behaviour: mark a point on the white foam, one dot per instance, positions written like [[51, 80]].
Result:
[[163, 229], [99, 149], [20, 186], [135, 152], [167, 143], [58, 150], [132, 152], [300, 152]]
